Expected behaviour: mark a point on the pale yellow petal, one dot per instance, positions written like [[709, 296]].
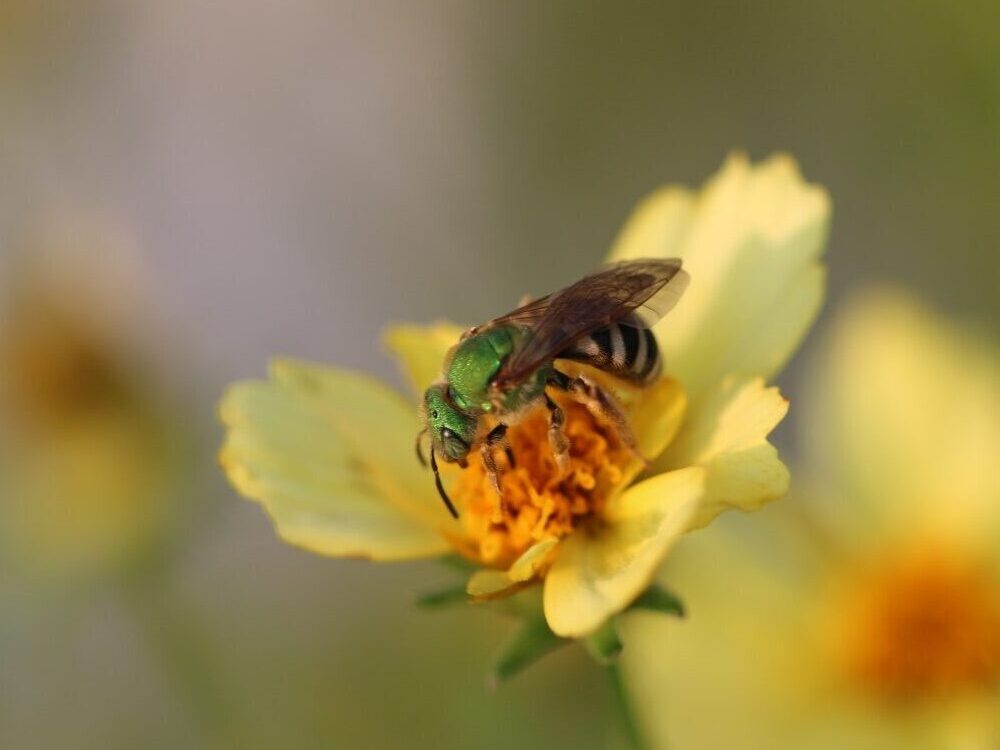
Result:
[[329, 454], [487, 584], [658, 226], [598, 571], [903, 418], [532, 560], [727, 434], [658, 416], [421, 351], [85, 497], [751, 241]]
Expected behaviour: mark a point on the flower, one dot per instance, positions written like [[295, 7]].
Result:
[[329, 453], [868, 613], [87, 457]]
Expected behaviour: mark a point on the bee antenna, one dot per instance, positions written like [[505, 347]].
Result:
[[420, 452], [440, 487]]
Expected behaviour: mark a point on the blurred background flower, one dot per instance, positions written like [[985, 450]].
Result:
[[90, 452], [294, 176], [865, 612]]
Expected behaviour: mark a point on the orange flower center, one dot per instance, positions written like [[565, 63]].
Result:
[[56, 371], [539, 500], [923, 625]]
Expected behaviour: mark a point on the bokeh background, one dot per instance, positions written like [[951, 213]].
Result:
[[222, 182]]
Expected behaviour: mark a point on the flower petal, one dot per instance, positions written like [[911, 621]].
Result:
[[533, 559], [491, 583], [421, 350], [599, 571], [488, 584], [329, 454], [750, 240], [910, 409], [658, 416], [728, 436]]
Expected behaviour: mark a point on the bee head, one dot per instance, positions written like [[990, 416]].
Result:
[[452, 431]]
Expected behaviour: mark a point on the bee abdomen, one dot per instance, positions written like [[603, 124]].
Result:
[[624, 350]]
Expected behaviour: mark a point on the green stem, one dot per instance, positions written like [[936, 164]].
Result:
[[184, 655], [626, 718]]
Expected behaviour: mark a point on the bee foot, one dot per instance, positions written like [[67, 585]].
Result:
[[560, 449]]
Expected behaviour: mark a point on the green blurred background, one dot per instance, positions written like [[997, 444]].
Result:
[[288, 178]]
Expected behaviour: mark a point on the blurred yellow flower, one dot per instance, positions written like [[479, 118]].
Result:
[[868, 614], [329, 453], [84, 449]]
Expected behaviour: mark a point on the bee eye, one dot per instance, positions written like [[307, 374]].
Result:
[[434, 414]]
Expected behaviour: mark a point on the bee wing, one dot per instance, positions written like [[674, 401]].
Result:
[[643, 290], [528, 314]]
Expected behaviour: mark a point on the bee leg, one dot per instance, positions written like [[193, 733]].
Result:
[[510, 455], [557, 438], [490, 464], [603, 405], [497, 436]]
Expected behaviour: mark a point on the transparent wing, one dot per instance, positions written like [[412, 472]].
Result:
[[644, 290], [528, 314]]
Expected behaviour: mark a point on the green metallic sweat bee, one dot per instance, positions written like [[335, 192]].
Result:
[[503, 367]]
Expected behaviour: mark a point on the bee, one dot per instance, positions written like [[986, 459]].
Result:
[[502, 368]]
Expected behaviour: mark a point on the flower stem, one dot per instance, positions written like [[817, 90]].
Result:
[[184, 655], [626, 719]]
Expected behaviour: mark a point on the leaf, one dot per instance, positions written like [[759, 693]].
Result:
[[459, 563], [443, 597], [532, 641], [604, 644], [657, 599]]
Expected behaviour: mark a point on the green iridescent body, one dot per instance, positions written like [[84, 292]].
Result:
[[476, 362], [468, 380]]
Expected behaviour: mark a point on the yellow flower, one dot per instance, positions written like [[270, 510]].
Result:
[[86, 457], [868, 614], [329, 453]]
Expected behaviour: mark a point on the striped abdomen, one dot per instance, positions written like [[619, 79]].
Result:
[[621, 349]]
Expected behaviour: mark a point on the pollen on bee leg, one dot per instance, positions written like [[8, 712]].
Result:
[[557, 437], [541, 500]]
